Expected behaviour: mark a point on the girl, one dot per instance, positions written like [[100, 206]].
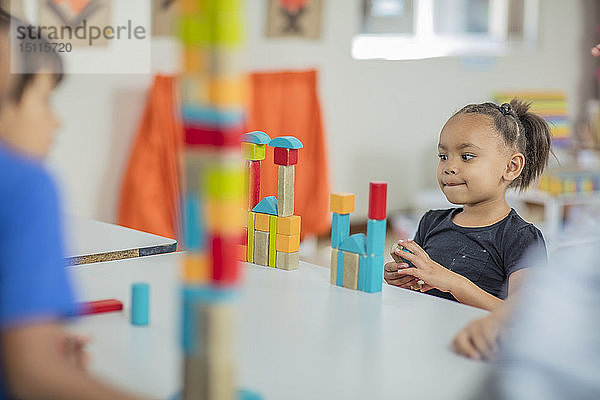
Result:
[[474, 254]]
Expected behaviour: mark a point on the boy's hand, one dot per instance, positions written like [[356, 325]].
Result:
[[433, 274], [479, 339], [393, 277], [73, 349]]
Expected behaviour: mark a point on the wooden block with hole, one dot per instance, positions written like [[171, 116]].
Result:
[[285, 191], [350, 279], [288, 243], [261, 248], [287, 261], [289, 225], [262, 222]]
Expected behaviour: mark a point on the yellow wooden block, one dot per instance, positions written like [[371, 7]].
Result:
[[262, 222], [350, 278], [289, 225], [253, 152], [195, 269], [228, 91], [224, 216], [341, 203], [288, 243], [250, 256]]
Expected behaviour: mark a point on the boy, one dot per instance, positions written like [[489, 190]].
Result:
[[38, 359]]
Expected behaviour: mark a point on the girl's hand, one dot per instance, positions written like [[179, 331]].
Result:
[[393, 277], [433, 274], [479, 339], [73, 349]]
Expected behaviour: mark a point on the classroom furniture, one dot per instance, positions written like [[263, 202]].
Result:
[[91, 241], [297, 336]]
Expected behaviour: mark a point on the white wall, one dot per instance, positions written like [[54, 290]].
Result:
[[382, 117]]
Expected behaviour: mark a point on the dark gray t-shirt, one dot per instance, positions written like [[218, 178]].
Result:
[[484, 255]]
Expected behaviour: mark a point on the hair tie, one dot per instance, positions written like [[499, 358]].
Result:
[[505, 109]]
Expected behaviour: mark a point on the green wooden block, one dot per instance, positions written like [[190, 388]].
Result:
[[272, 241], [224, 183]]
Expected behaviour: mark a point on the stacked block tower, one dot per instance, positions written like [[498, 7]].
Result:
[[357, 260], [213, 114], [273, 231]]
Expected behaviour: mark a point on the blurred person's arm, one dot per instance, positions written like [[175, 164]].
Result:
[[36, 367]]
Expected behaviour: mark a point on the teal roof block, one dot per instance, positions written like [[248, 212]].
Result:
[[356, 243], [268, 205], [256, 137], [286, 142]]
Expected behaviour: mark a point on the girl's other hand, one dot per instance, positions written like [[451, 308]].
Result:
[[393, 277]]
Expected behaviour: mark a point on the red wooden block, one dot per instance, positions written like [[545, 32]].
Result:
[[254, 184], [99, 306], [377, 200], [283, 156], [224, 255], [205, 135], [244, 241]]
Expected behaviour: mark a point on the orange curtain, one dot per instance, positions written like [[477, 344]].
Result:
[[286, 103], [150, 193]]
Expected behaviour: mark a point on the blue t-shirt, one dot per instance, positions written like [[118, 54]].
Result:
[[485, 255], [33, 281]]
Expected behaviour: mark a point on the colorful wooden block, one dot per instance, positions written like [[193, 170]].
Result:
[[99, 306], [242, 252], [244, 238], [376, 236], [140, 303], [356, 243], [253, 184], [374, 274], [340, 229], [253, 152], [272, 241], [261, 248], [196, 269], [286, 142], [224, 183], [362, 272], [333, 266], [351, 263], [339, 275], [223, 216], [261, 222], [268, 205], [283, 156], [377, 200], [193, 223], [289, 225], [203, 136], [250, 257], [288, 243], [287, 261], [341, 203], [256, 137], [285, 191], [225, 263]]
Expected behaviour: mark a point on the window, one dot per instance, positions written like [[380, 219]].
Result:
[[415, 29]]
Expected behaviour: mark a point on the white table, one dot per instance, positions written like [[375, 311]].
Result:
[[298, 336], [90, 241]]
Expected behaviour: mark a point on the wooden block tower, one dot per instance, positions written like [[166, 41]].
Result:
[[357, 260], [273, 231], [213, 92]]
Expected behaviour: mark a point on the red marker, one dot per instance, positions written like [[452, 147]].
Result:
[[100, 306]]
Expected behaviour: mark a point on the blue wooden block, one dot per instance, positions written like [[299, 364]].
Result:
[[140, 304], [356, 243], [286, 142], [268, 205], [376, 237], [374, 274], [212, 116], [256, 137], [340, 229], [193, 223], [340, 269], [362, 272]]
